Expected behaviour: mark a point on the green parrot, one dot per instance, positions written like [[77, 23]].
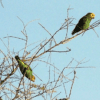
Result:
[[25, 69], [83, 23]]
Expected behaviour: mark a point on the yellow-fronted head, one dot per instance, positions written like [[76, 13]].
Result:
[[90, 15], [33, 78]]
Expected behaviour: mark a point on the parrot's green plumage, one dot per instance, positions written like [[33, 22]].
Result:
[[25, 69], [83, 23]]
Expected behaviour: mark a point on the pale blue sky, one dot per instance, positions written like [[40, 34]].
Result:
[[52, 14]]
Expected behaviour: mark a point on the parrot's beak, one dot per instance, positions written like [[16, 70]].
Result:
[[93, 17]]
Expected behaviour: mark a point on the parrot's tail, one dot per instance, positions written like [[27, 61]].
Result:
[[17, 58], [73, 32]]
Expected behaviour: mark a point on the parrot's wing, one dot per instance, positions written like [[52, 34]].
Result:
[[81, 22], [28, 67], [80, 25]]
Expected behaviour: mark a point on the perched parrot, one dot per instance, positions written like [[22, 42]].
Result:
[[83, 23], [25, 69]]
